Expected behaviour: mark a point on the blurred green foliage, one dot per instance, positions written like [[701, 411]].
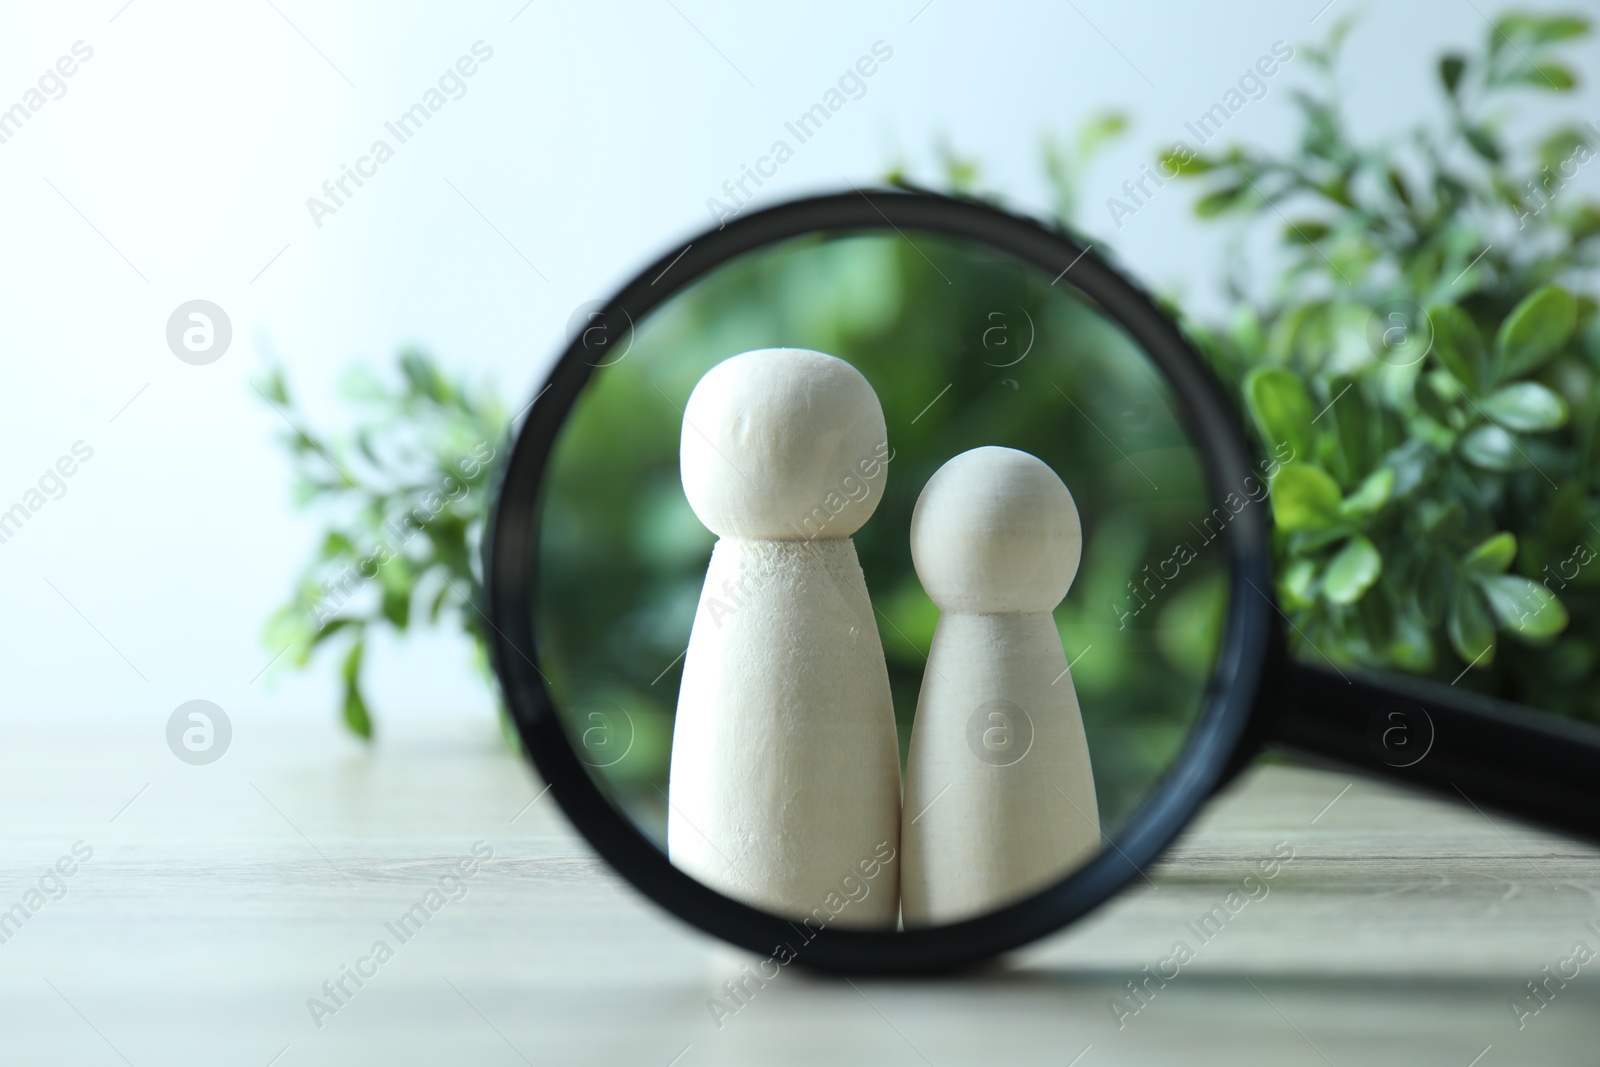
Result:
[[404, 496], [1425, 349], [964, 348], [1428, 350]]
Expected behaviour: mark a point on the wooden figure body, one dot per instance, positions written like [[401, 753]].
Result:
[[785, 777], [1000, 797]]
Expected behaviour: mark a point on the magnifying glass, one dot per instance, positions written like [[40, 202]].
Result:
[[881, 581]]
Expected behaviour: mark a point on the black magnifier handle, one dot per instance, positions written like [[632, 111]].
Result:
[[1462, 745]]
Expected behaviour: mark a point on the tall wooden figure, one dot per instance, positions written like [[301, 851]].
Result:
[[785, 780], [1000, 797]]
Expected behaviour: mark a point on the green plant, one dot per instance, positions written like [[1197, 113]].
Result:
[[406, 495], [1423, 349], [1426, 352]]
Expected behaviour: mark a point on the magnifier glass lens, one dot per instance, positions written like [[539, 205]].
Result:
[[965, 349]]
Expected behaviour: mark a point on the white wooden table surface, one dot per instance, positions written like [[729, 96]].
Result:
[[219, 899]]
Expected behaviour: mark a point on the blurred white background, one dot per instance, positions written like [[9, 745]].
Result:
[[178, 164]]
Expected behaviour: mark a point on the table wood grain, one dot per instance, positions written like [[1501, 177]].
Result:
[[219, 899]]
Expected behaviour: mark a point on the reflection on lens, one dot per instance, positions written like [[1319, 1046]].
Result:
[[810, 598]]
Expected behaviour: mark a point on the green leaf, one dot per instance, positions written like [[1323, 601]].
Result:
[[274, 387], [1411, 648], [1451, 67], [336, 544], [1288, 333], [1338, 32], [1186, 164], [351, 668], [1546, 29], [356, 716], [1526, 406], [1370, 495], [1555, 77], [1482, 142], [1411, 463], [1470, 627], [1304, 498], [1349, 422], [1216, 203], [1457, 344], [1352, 571], [422, 377], [1397, 182], [327, 630], [1320, 136], [1281, 409], [1492, 555], [1295, 587], [1536, 329], [1099, 131], [1524, 607], [1436, 581], [960, 172], [1503, 31], [1305, 232], [1584, 222], [1527, 29], [1561, 146], [398, 580], [1491, 448], [1431, 401], [1442, 519], [1245, 329], [1560, 28], [396, 605], [438, 602]]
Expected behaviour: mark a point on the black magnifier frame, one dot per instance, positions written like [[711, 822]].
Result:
[[1487, 751]]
